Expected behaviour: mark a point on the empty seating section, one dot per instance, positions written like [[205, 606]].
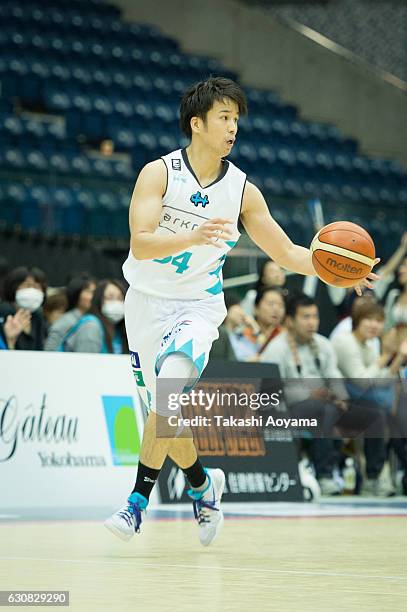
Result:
[[376, 31], [73, 74]]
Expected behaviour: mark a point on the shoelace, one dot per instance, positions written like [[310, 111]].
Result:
[[200, 510], [133, 512]]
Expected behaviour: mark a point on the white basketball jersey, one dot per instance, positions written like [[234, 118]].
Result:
[[195, 273]]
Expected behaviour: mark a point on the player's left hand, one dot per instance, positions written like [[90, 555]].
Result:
[[365, 283]]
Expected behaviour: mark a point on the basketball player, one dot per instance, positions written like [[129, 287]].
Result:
[[184, 216]]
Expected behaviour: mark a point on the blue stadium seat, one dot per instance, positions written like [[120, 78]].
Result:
[[361, 164], [292, 187], [143, 112], [122, 110], [286, 156], [36, 160], [267, 154], [248, 153], [13, 196], [81, 165], [102, 167], [59, 162], [35, 128], [58, 100], [56, 130], [274, 185], [13, 158], [13, 126], [124, 139], [122, 169], [70, 214], [121, 79], [402, 196], [305, 159], [31, 208], [324, 160]]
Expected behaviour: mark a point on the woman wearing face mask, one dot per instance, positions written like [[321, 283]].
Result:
[[102, 330], [24, 290]]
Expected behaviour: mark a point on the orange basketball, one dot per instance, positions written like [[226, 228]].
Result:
[[343, 254]]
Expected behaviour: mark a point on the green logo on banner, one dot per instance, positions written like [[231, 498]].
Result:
[[122, 428]]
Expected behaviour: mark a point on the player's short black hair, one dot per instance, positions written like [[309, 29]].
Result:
[[200, 98], [296, 300], [17, 276]]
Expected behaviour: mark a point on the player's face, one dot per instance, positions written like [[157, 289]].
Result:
[[306, 322], [220, 128]]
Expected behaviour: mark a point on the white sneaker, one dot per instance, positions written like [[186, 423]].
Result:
[[377, 488], [126, 522], [207, 509], [329, 487], [310, 485]]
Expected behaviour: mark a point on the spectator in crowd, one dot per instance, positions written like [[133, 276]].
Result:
[[396, 304], [345, 325], [55, 305], [355, 357], [79, 293], [371, 374], [344, 299], [269, 313], [248, 336], [12, 328], [102, 330], [25, 288], [232, 344], [388, 271], [271, 274], [302, 353]]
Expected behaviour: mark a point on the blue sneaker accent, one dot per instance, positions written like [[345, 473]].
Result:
[[137, 503], [196, 495], [198, 503]]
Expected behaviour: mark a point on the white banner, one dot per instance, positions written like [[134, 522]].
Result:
[[70, 429]]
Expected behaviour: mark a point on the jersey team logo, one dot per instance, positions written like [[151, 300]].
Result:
[[197, 199]]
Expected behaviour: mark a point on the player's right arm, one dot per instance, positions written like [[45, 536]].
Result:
[[145, 213]]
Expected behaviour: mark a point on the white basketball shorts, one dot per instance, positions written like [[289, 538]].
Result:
[[157, 327]]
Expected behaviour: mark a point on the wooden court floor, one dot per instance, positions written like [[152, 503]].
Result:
[[329, 564]]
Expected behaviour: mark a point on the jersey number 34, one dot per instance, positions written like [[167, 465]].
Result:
[[180, 261]]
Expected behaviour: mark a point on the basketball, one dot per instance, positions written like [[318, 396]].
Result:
[[343, 254]]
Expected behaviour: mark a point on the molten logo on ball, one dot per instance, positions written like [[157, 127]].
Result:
[[344, 267], [342, 253]]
